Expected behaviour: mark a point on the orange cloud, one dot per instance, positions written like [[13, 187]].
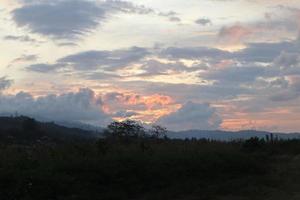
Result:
[[278, 119], [235, 34], [147, 108]]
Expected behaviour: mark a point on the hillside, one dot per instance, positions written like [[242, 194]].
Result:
[[228, 135], [48, 161], [25, 129]]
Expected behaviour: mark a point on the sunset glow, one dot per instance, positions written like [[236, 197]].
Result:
[[227, 65]]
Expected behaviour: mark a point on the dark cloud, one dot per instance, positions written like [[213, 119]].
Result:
[[70, 19], [265, 52], [60, 19], [20, 38], [92, 60], [25, 58], [109, 60], [234, 74], [287, 60], [99, 76], [235, 33], [183, 91], [173, 16], [203, 21], [43, 68], [154, 67], [290, 93], [192, 116], [67, 44], [253, 52], [124, 114], [82, 106], [4, 83], [194, 53]]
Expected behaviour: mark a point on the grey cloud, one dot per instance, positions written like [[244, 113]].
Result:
[[19, 38], [254, 52], [203, 21], [292, 92], [284, 96], [93, 60], [175, 19], [265, 52], [67, 44], [70, 19], [25, 58], [82, 106], [173, 16], [99, 76], [194, 53], [125, 114], [60, 19], [4, 83], [110, 60], [189, 91], [192, 116], [287, 60], [43, 68], [154, 67], [234, 74]]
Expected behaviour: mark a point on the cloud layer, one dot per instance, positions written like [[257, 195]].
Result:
[[192, 116], [82, 106]]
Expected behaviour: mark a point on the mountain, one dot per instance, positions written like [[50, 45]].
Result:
[[79, 125], [227, 135], [25, 129]]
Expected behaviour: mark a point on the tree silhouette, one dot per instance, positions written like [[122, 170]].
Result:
[[127, 129], [157, 132], [29, 124]]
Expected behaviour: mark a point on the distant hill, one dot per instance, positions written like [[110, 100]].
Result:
[[25, 129], [227, 135]]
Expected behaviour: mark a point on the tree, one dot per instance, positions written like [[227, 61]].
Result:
[[157, 131], [29, 124], [126, 129]]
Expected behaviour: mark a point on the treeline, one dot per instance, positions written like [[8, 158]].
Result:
[[132, 162]]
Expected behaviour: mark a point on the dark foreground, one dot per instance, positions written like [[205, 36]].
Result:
[[151, 169]]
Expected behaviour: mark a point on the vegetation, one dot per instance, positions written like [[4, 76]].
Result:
[[135, 163]]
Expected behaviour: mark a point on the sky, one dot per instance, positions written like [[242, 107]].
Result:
[[209, 64]]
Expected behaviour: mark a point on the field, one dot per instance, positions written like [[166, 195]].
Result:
[[151, 169]]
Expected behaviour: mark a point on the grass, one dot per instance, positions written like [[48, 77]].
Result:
[[151, 169]]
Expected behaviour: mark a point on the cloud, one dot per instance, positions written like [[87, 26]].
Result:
[[234, 74], [92, 60], [253, 52], [287, 60], [70, 19], [173, 16], [67, 44], [193, 53], [43, 68], [265, 51], [235, 34], [203, 21], [124, 114], [192, 116], [22, 38], [26, 58], [292, 92], [60, 19], [154, 67], [82, 106], [99, 76], [4, 83], [147, 108]]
